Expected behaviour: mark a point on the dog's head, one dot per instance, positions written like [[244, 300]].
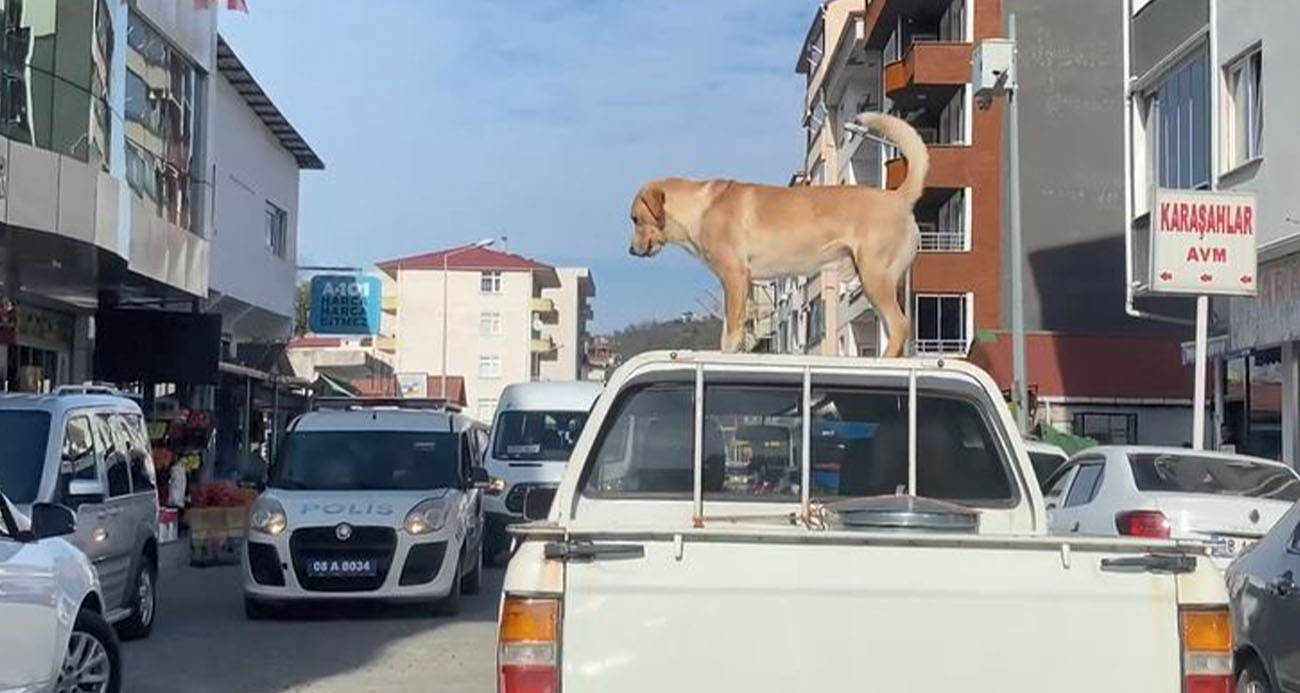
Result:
[[649, 221]]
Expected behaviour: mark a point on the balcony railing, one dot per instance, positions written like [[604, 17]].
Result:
[[386, 343], [542, 345], [941, 346], [943, 241], [389, 304], [542, 305]]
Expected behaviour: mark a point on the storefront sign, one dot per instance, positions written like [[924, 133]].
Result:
[[1273, 316], [345, 304], [1203, 243], [413, 384]]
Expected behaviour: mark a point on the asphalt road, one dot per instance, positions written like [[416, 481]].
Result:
[[201, 643]]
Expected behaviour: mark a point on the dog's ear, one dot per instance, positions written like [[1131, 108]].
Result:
[[653, 199]]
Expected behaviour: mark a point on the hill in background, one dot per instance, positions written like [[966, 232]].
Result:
[[687, 332]]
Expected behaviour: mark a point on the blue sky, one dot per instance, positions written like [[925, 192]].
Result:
[[443, 121]]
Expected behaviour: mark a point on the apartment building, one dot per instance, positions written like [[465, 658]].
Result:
[[911, 58], [114, 117], [1212, 100], [508, 319]]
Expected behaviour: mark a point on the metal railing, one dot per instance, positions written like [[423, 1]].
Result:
[[943, 241], [941, 346]]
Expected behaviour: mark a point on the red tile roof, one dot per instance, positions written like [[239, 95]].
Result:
[[466, 258], [1096, 366]]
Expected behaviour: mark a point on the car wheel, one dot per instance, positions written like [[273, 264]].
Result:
[[472, 583], [450, 604], [93, 660], [144, 603], [1253, 679], [255, 610]]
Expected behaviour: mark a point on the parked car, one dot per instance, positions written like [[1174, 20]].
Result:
[[1046, 459], [53, 635], [87, 448], [534, 430], [1265, 604], [646, 568], [1226, 499], [370, 503]]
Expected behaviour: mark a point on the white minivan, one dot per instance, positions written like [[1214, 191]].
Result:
[[533, 433]]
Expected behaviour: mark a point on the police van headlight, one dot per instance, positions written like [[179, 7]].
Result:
[[427, 516], [267, 517]]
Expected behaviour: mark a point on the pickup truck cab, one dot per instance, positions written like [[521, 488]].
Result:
[[915, 558]]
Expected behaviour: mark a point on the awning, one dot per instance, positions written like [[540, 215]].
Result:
[[1215, 347], [254, 374]]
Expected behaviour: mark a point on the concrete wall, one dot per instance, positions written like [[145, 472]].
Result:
[[419, 328], [1156, 425], [251, 169], [569, 329]]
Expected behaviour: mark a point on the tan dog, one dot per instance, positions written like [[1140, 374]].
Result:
[[747, 232]]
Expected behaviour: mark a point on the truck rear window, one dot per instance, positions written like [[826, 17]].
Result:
[[1218, 476], [752, 439]]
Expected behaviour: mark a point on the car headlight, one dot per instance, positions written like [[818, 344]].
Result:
[[427, 516], [268, 517]]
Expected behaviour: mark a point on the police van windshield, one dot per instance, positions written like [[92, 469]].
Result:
[[537, 435], [367, 461]]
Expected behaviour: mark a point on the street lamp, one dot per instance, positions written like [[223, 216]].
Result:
[[445, 256]]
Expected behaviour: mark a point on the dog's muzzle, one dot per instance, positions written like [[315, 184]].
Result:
[[631, 249]]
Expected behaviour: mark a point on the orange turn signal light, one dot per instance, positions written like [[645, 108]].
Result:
[[1206, 631], [530, 620]]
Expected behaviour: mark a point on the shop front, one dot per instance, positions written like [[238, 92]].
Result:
[[36, 347], [1261, 381]]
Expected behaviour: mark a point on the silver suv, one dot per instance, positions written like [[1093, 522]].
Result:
[[87, 448]]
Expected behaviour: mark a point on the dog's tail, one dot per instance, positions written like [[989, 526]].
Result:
[[913, 147]]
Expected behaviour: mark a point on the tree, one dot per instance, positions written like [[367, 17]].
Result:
[[302, 311]]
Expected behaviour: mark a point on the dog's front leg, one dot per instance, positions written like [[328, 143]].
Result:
[[735, 287]]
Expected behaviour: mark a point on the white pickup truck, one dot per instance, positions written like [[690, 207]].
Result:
[[795, 523]]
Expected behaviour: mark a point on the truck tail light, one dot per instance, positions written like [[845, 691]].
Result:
[[529, 655], [1143, 523], [1206, 636]]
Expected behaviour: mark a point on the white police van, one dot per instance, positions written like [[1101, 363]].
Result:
[[373, 501]]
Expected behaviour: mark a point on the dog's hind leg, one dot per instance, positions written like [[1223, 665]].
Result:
[[735, 288], [882, 290]]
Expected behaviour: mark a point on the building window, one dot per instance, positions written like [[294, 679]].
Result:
[[952, 120], [816, 320], [942, 324], [277, 230], [487, 408], [490, 282], [952, 26], [489, 367], [489, 323], [1107, 428], [949, 229], [1178, 125], [1245, 130]]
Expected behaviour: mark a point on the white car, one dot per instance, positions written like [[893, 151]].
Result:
[[1045, 458], [535, 428], [53, 636], [371, 503], [1229, 500]]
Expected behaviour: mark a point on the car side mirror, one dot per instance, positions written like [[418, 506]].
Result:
[[480, 478], [50, 520], [88, 490], [537, 502]]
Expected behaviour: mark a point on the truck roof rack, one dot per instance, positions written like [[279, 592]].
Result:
[[367, 403], [88, 388]]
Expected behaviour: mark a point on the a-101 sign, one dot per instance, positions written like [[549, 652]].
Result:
[[1203, 243], [345, 304]]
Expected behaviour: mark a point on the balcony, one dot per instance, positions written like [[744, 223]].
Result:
[[541, 305], [387, 343], [929, 64], [542, 345], [389, 304], [943, 216]]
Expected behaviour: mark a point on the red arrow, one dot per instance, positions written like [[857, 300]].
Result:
[[1207, 277], [1246, 279], [1166, 275]]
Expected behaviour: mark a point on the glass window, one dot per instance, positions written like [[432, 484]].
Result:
[[489, 367], [537, 435], [489, 324], [941, 324], [112, 450], [22, 453], [1182, 138], [1107, 428], [1245, 137], [1054, 487], [139, 452], [78, 454], [490, 282], [487, 407], [752, 445], [1086, 484], [1218, 476], [368, 460], [277, 230], [1045, 464]]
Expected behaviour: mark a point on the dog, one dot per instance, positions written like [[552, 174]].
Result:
[[746, 232]]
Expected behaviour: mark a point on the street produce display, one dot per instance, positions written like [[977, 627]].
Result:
[[180, 442], [218, 520]]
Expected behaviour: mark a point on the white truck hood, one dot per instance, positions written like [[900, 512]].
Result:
[[328, 508]]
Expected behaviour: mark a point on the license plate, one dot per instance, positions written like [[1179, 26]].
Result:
[[342, 567], [1229, 547]]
